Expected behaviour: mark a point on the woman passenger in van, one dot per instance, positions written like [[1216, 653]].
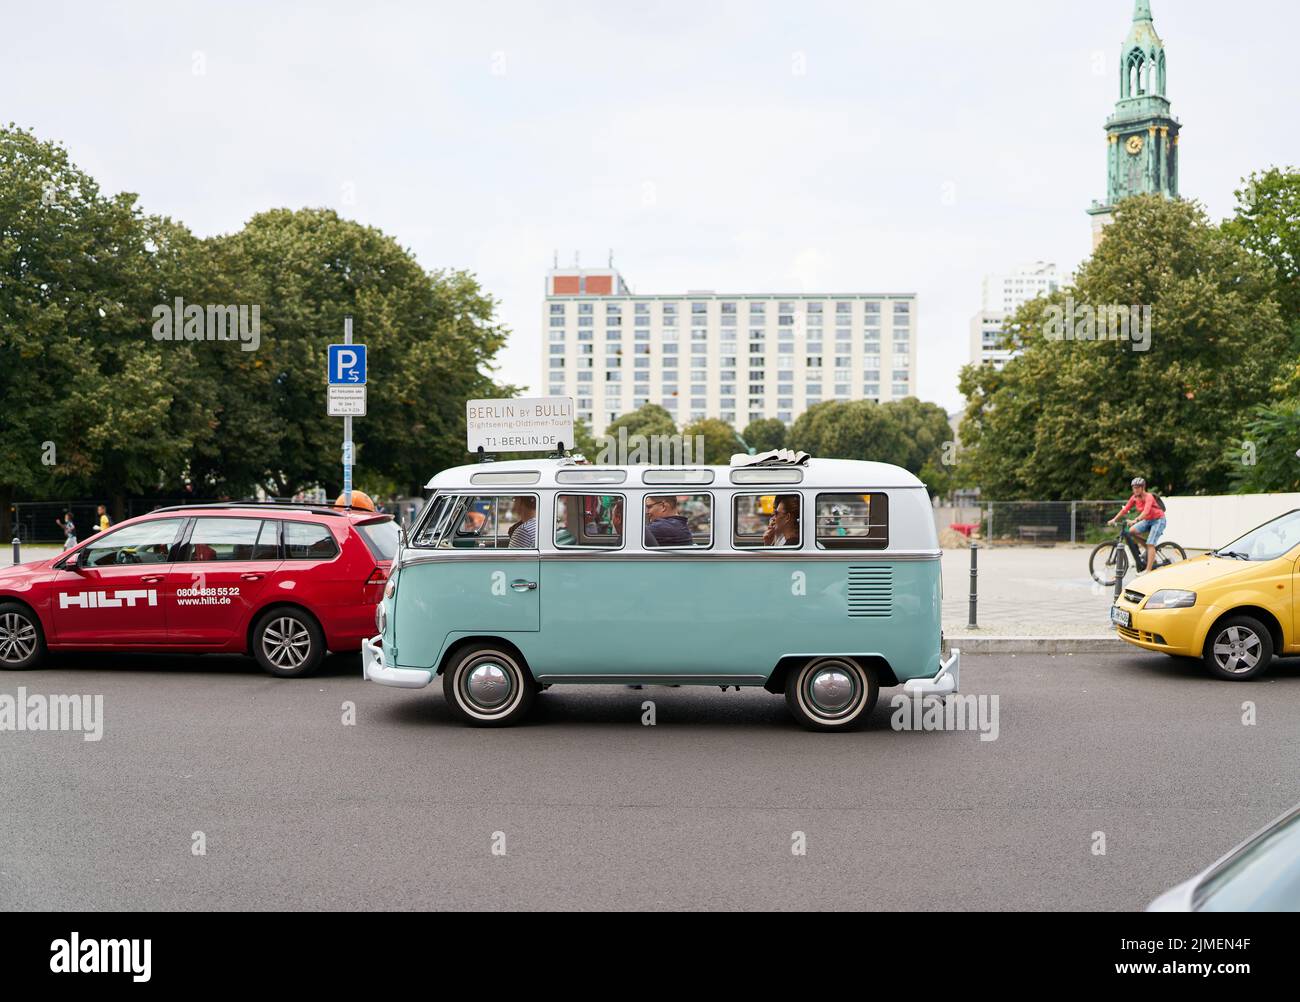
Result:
[[783, 529], [664, 526]]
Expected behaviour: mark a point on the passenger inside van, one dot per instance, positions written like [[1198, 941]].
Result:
[[523, 534], [664, 525], [783, 528]]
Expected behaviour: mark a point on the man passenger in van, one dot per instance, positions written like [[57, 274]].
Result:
[[783, 528], [663, 525], [523, 534]]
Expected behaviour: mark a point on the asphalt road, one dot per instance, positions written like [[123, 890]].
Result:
[[299, 810]]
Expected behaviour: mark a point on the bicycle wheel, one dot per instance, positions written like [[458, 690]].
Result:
[[1101, 563], [1169, 553]]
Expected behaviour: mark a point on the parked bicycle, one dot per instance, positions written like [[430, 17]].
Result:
[[1106, 556]]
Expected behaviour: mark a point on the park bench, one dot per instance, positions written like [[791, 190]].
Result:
[[1037, 533]]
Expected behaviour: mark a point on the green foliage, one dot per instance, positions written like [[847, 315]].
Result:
[[907, 433], [1079, 418], [765, 434], [720, 442]]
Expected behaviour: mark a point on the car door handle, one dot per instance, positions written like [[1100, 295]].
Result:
[[250, 577], [152, 579], [522, 585]]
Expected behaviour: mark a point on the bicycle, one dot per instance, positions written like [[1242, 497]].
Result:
[[1105, 556]]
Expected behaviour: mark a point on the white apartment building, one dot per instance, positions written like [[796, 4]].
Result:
[[736, 357], [1003, 294]]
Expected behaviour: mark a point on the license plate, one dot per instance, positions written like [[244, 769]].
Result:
[[1121, 616]]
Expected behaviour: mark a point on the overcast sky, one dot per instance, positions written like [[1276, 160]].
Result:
[[747, 146]]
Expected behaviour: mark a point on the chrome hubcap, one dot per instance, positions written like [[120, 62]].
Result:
[[286, 643], [488, 685], [832, 690], [17, 638], [1237, 649]]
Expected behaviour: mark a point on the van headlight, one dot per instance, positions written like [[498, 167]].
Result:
[[1171, 598], [381, 617]]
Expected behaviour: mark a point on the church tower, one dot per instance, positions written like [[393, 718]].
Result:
[[1141, 134]]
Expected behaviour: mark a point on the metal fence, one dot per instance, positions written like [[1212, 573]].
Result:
[[35, 521], [1039, 522]]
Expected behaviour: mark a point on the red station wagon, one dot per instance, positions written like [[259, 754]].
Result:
[[284, 584]]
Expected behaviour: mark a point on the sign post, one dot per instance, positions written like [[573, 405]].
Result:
[[525, 424], [347, 394]]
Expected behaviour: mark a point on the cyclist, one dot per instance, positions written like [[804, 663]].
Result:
[[1151, 517]]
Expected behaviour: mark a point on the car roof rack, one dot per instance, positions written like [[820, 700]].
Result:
[[321, 507]]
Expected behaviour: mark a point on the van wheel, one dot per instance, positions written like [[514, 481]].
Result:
[[832, 694], [288, 643], [1238, 648], [487, 687], [22, 645]]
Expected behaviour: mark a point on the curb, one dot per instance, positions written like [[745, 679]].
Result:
[[1099, 644]]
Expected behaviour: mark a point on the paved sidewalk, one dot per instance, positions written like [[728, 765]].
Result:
[[1036, 591]]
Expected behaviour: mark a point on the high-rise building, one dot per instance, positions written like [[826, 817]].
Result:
[[1141, 134], [1003, 294], [739, 357]]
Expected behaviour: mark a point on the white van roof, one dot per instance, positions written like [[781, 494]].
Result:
[[851, 474]]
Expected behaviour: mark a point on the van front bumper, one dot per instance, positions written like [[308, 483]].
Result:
[[945, 682], [374, 669]]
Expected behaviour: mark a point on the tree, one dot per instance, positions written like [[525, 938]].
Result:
[[431, 338], [1077, 417], [1267, 225], [765, 434], [648, 424], [858, 429], [719, 440], [84, 381]]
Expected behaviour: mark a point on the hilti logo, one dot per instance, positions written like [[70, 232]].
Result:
[[130, 597]]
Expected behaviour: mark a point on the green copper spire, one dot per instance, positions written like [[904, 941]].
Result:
[[1141, 134]]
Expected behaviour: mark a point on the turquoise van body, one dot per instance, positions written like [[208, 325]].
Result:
[[725, 611]]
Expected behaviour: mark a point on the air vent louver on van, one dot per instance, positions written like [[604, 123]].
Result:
[[871, 590]]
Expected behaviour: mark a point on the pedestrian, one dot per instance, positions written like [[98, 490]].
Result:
[[104, 522], [69, 530]]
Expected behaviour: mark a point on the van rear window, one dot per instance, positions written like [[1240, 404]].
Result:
[[381, 538], [853, 521]]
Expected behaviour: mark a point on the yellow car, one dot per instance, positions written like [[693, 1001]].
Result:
[[1233, 607]]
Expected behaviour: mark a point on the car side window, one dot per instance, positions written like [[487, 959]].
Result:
[[308, 541], [223, 539], [853, 521], [143, 543], [767, 520], [491, 522], [589, 521], [678, 521]]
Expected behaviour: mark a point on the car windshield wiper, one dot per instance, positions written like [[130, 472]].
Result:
[[1234, 554]]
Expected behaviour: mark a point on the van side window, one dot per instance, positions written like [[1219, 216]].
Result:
[[767, 520], [853, 521], [589, 521], [431, 523], [492, 522], [678, 521]]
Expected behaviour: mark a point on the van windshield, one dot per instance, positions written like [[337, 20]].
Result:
[[1268, 542]]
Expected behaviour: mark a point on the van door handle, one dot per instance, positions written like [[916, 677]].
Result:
[[152, 579], [250, 577], [522, 585]]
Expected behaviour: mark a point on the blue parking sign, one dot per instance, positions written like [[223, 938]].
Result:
[[347, 364]]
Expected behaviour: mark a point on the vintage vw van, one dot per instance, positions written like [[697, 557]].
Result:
[[820, 581]]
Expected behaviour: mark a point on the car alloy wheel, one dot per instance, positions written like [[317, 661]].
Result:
[[19, 640]]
